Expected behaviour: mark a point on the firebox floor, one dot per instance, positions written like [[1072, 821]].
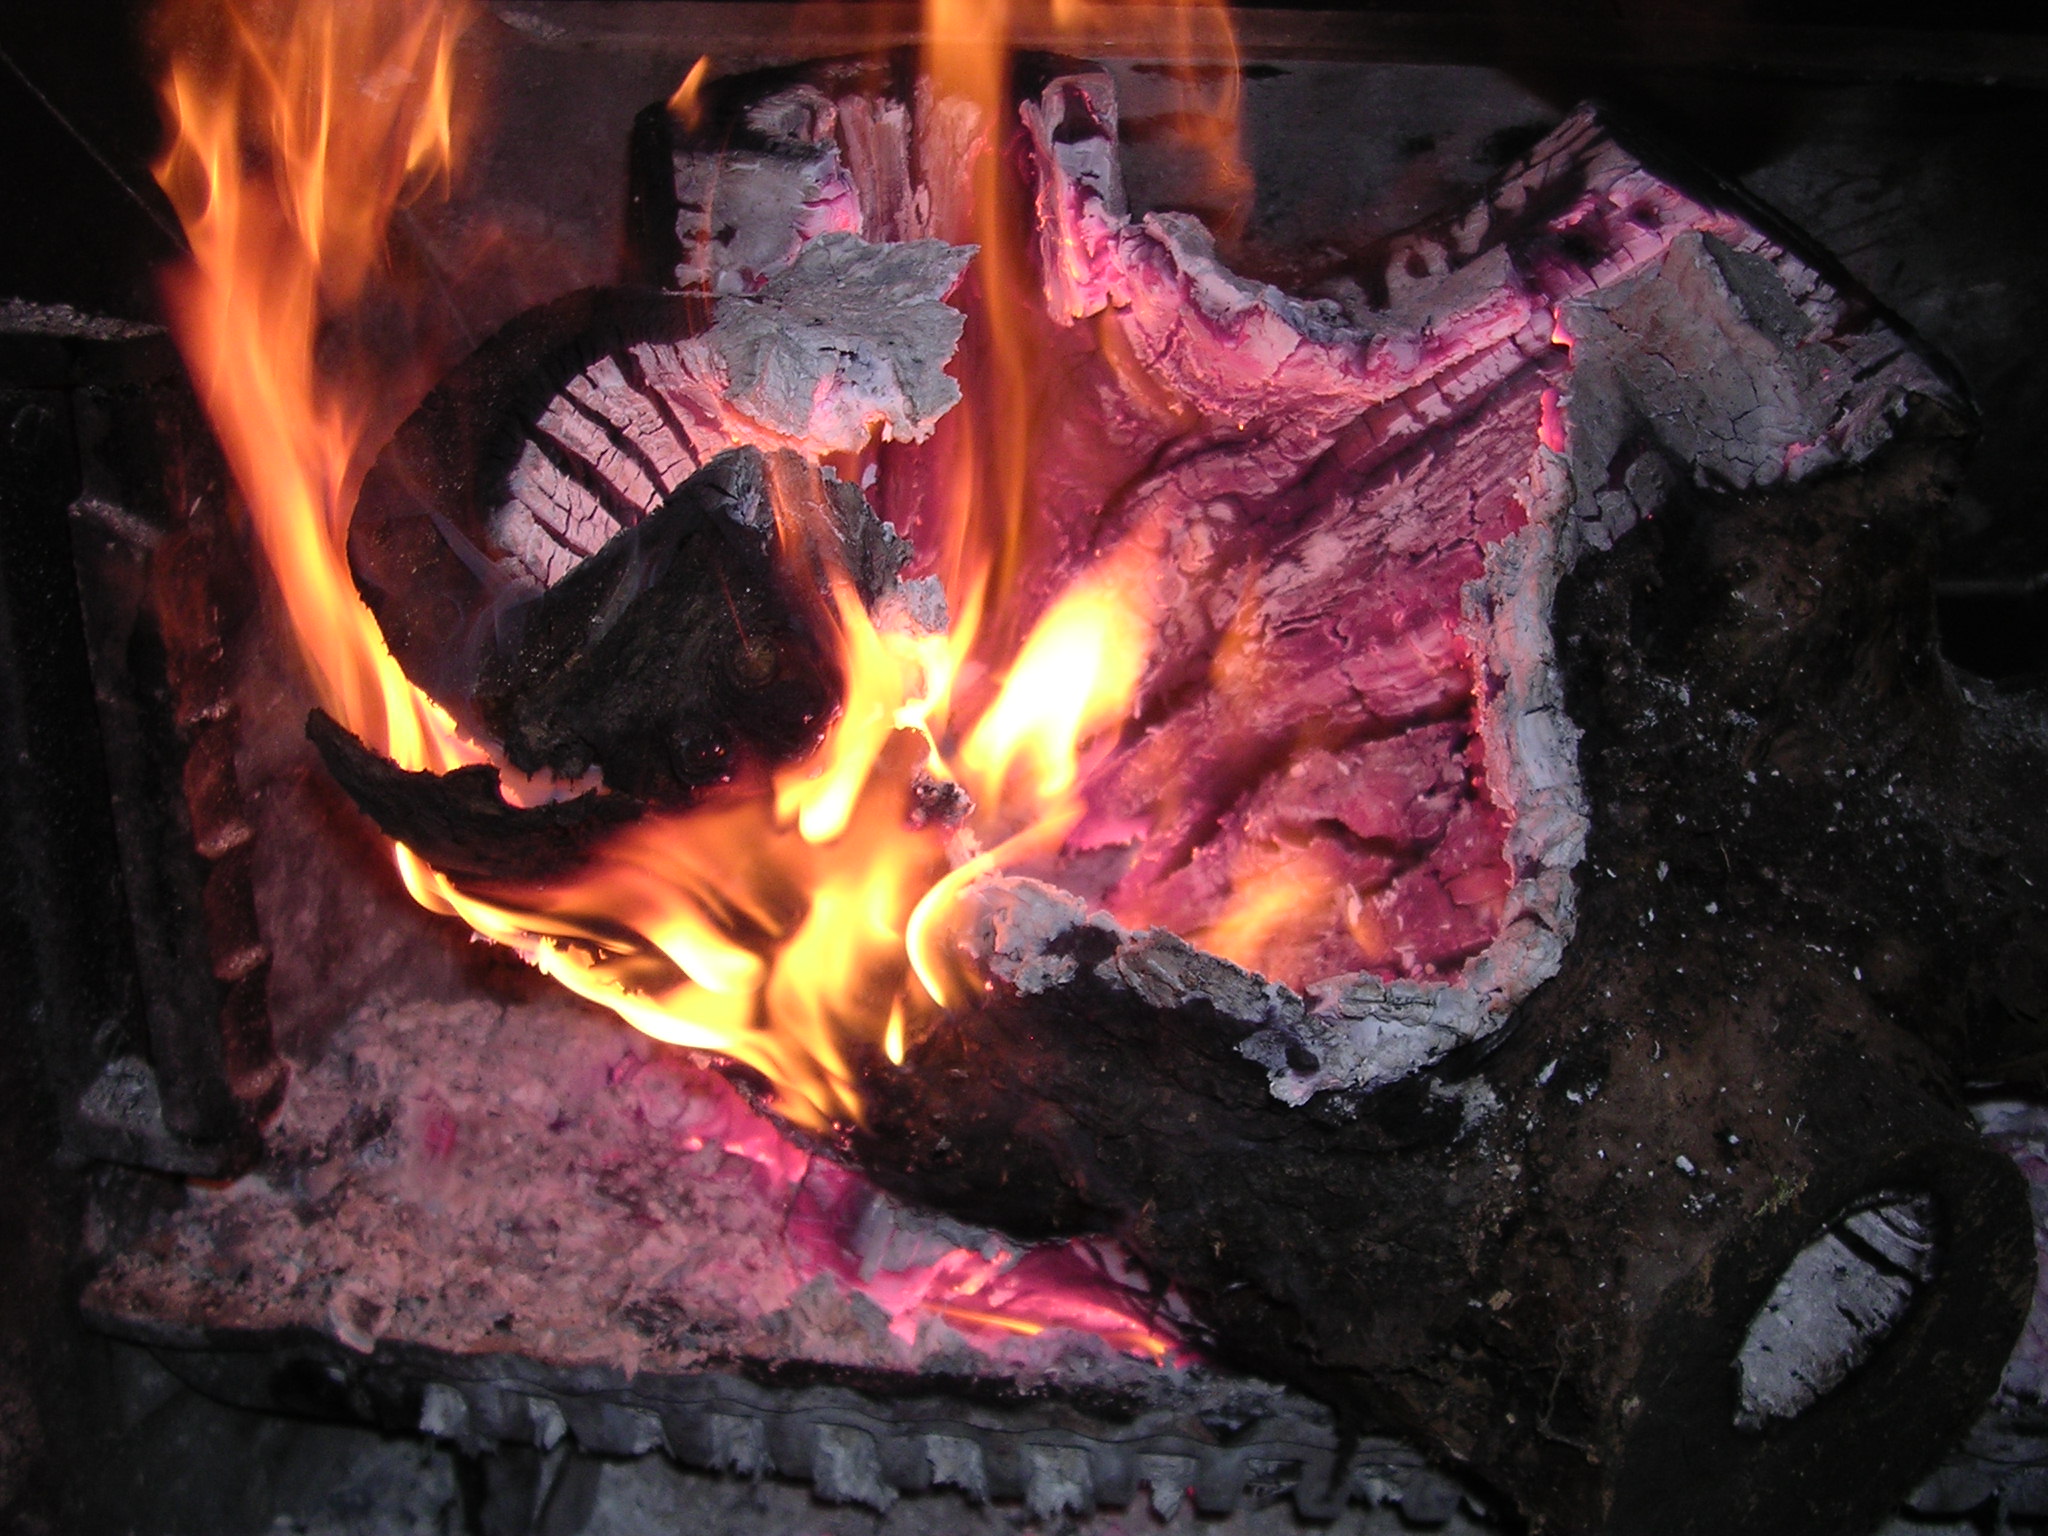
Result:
[[177, 1463], [519, 1229]]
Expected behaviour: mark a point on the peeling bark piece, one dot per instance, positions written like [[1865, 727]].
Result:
[[458, 822]]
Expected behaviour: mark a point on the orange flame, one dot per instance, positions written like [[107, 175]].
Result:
[[1075, 674], [686, 105], [285, 172], [781, 923]]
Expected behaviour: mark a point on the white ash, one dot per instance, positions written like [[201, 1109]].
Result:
[[2020, 1130], [479, 1179], [1835, 1304], [744, 213], [851, 339], [848, 340]]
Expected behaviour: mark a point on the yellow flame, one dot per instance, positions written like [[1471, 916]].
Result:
[[285, 173], [1074, 676], [686, 106]]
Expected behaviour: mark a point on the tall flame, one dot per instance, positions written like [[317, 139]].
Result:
[[285, 171], [780, 921]]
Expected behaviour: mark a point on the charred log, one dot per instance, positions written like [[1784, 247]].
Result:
[[582, 418], [418, 541], [728, 187], [1549, 1268], [1707, 1244]]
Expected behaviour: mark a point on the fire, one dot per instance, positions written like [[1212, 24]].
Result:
[[788, 923], [686, 105], [285, 173], [1076, 673]]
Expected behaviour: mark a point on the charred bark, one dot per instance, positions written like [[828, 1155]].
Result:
[[685, 653], [459, 822]]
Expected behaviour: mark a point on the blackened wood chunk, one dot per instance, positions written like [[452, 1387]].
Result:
[[1554, 1254], [668, 657], [688, 651], [421, 543], [458, 822]]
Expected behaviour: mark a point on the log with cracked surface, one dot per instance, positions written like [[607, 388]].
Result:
[[1348, 769]]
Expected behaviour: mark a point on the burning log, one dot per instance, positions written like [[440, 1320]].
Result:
[[673, 659], [1559, 1268], [1702, 1240], [582, 417]]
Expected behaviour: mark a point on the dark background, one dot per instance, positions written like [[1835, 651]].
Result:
[[84, 224]]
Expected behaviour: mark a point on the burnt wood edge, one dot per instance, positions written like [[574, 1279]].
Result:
[[458, 822]]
